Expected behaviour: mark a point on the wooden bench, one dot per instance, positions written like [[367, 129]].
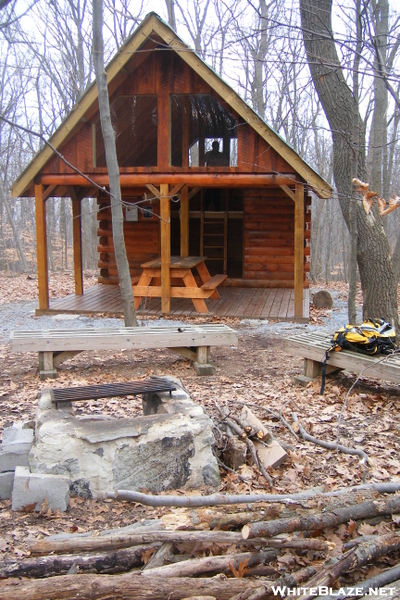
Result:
[[214, 282], [312, 346], [56, 345]]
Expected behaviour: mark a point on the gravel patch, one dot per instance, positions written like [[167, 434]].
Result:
[[21, 316]]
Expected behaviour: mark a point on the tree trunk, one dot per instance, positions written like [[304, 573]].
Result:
[[373, 252], [113, 168]]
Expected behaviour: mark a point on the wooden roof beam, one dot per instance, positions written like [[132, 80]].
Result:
[[150, 180]]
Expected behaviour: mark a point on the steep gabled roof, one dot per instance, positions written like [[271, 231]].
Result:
[[152, 24]]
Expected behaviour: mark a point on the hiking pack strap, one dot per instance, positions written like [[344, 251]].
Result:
[[323, 371]]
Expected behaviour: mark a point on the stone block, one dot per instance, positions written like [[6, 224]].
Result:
[[6, 484], [203, 368], [34, 488], [14, 455], [15, 434]]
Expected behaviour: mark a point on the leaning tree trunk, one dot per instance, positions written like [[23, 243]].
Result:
[[113, 168], [373, 252]]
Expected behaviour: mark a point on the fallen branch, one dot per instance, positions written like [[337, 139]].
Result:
[[321, 521], [210, 564], [126, 587], [117, 561], [330, 445], [223, 500], [353, 559]]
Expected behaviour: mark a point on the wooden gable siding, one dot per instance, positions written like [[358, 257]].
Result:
[[268, 247], [142, 242], [164, 73]]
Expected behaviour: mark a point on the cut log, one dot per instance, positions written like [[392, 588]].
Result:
[[211, 564], [250, 418], [271, 455], [117, 561], [322, 299], [125, 587], [235, 453], [329, 519]]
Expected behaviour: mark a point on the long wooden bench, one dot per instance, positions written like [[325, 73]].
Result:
[[57, 345], [312, 346]]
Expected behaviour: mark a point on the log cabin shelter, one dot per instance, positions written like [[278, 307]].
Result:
[[202, 175]]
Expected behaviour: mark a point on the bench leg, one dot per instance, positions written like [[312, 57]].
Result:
[[202, 365], [312, 368], [46, 365]]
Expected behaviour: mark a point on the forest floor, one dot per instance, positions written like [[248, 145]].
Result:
[[257, 373]]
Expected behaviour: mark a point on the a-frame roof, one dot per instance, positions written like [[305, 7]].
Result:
[[152, 24]]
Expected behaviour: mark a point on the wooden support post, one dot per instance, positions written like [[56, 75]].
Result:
[[298, 251], [77, 241], [41, 248], [165, 216], [202, 365], [46, 365], [184, 222], [185, 133]]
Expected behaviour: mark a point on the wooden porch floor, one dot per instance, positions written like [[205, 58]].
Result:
[[249, 303]]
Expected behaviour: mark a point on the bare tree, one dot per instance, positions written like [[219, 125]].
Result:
[[373, 251], [112, 167]]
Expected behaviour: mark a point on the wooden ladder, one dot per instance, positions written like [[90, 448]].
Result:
[[214, 235]]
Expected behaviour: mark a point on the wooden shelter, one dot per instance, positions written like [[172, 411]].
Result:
[[201, 175]]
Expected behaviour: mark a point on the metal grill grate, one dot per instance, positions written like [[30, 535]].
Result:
[[109, 390]]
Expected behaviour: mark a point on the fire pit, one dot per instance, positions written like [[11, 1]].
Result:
[[169, 446]]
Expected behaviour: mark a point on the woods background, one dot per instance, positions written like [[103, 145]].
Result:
[[255, 45]]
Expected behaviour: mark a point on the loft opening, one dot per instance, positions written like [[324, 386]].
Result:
[[203, 132], [134, 120]]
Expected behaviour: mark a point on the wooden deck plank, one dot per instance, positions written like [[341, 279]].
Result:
[[284, 308], [256, 303]]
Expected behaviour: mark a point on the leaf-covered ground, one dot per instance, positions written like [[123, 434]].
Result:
[[256, 373]]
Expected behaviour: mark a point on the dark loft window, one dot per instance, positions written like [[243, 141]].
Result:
[[134, 120], [203, 132]]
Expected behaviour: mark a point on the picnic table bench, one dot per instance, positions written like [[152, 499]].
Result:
[[57, 345], [312, 346]]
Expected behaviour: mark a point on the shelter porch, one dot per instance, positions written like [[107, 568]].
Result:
[[249, 303]]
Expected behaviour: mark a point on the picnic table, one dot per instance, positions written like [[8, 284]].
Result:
[[183, 269]]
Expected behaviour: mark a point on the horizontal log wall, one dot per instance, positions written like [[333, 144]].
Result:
[[142, 242], [268, 253]]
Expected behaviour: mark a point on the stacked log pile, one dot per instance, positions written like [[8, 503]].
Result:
[[246, 555]]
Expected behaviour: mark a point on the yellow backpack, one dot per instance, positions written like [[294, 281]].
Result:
[[375, 336]]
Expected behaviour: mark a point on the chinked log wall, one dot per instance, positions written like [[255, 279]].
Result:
[[268, 237], [142, 242], [268, 241]]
